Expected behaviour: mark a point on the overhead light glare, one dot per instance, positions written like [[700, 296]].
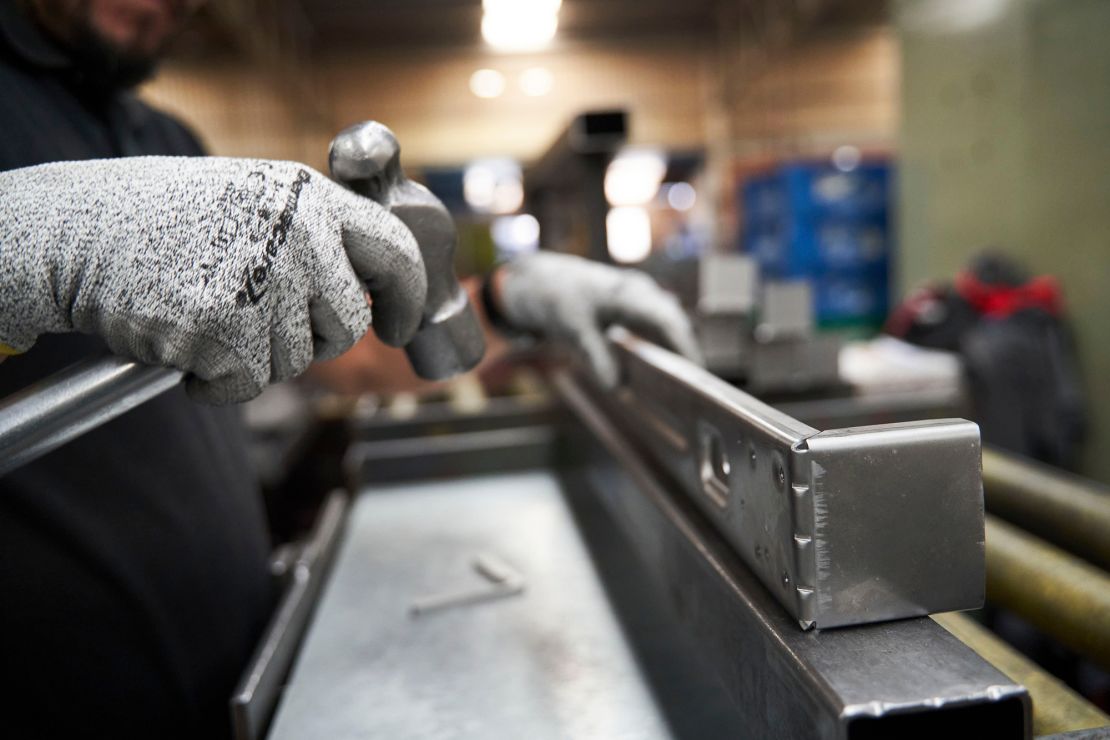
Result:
[[515, 235], [628, 231], [681, 196], [520, 25], [493, 186], [519, 31], [634, 176], [487, 83], [536, 81], [846, 158], [505, 7]]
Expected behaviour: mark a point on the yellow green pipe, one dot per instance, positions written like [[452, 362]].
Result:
[[1060, 594], [1056, 708]]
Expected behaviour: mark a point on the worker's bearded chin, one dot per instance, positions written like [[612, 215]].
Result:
[[104, 64]]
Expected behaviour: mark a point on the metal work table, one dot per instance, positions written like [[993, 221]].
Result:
[[549, 662], [500, 668]]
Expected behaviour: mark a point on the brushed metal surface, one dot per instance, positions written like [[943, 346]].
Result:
[[550, 662], [843, 526]]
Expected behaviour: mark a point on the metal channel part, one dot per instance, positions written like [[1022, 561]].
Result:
[[46, 415], [467, 453], [434, 419], [845, 526], [904, 679], [256, 696]]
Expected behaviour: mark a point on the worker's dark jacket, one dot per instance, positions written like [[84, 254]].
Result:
[[133, 561]]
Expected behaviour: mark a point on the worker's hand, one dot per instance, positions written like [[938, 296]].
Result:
[[239, 272], [564, 297]]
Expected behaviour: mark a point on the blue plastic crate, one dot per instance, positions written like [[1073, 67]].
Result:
[[809, 248], [840, 244], [821, 190], [763, 199], [769, 245], [809, 220], [851, 298]]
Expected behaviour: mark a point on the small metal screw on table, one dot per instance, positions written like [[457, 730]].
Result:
[[504, 580]]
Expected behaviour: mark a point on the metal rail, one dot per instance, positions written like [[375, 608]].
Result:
[[1068, 511], [845, 526], [255, 698], [47, 414]]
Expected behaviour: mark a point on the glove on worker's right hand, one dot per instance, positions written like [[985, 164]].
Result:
[[239, 272], [564, 297]]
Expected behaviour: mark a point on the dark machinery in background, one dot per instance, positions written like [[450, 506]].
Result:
[[568, 183]]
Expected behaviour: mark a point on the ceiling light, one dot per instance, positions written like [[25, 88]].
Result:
[[515, 234], [521, 30], [628, 231], [681, 196], [512, 6], [493, 186], [487, 83], [846, 158], [633, 178], [536, 81]]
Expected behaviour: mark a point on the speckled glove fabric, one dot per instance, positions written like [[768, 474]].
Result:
[[239, 272], [560, 296]]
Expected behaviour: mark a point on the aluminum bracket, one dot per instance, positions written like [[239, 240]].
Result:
[[843, 526]]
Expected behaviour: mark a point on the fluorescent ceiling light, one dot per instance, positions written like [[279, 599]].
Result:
[[506, 7], [681, 196], [493, 186], [634, 176], [519, 31], [628, 231], [520, 25], [846, 158], [487, 83], [536, 81], [516, 234]]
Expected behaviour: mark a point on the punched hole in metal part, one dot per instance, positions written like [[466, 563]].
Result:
[[714, 468]]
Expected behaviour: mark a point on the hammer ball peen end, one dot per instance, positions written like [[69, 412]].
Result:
[[366, 158]]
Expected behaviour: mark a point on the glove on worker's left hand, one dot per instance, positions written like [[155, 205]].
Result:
[[560, 296]]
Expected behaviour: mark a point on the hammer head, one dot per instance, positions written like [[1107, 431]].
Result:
[[367, 158]]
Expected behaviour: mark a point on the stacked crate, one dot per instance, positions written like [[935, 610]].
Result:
[[811, 221]]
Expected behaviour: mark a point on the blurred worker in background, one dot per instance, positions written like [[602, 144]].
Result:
[[134, 572]]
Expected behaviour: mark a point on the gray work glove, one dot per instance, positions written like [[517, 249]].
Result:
[[564, 297], [239, 272]]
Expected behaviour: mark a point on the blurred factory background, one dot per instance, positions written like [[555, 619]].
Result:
[[868, 147]]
